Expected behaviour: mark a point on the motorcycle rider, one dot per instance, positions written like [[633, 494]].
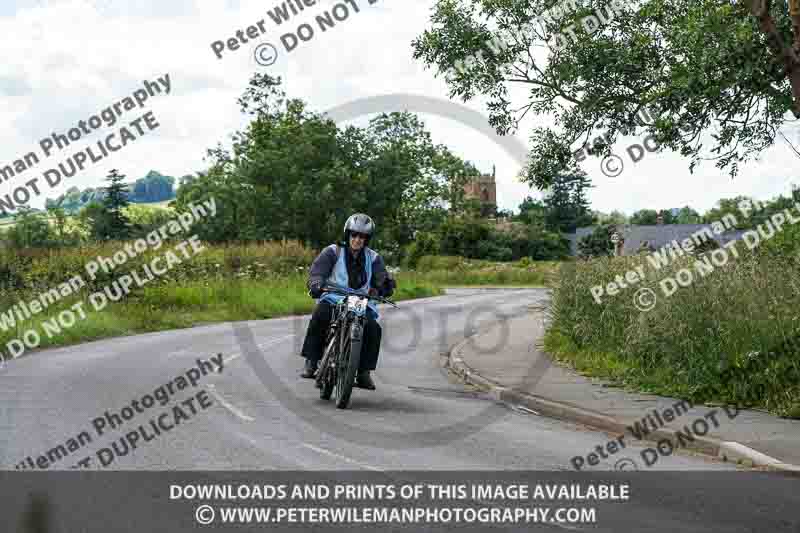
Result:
[[352, 264]]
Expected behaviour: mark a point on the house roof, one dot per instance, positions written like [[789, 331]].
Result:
[[657, 236]]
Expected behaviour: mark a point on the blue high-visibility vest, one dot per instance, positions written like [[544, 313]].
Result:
[[339, 277]]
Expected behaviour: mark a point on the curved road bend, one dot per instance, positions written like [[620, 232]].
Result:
[[265, 417]]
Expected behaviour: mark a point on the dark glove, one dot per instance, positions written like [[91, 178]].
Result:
[[389, 285], [315, 287]]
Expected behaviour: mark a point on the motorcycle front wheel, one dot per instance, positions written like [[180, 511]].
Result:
[[327, 374], [347, 367]]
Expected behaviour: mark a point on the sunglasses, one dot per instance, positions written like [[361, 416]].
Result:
[[358, 235]]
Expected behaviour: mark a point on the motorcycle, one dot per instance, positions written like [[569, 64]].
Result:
[[340, 361]]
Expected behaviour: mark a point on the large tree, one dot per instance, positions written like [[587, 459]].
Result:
[[614, 217], [649, 217], [759, 214], [293, 173], [567, 206], [118, 226], [717, 78], [532, 212], [687, 215]]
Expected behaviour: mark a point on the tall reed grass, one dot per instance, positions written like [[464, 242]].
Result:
[[732, 336]]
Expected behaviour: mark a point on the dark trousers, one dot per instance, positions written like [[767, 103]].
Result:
[[313, 345]]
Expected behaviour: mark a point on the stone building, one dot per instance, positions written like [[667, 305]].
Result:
[[483, 189]]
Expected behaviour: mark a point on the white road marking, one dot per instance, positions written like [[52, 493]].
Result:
[[260, 445], [526, 410], [179, 352], [227, 405], [234, 357], [271, 342], [342, 457], [376, 469], [277, 340]]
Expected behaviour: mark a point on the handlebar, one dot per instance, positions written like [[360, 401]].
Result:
[[346, 291]]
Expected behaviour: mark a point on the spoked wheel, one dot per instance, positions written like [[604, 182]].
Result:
[[326, 387], [326, 379], [347, 366]]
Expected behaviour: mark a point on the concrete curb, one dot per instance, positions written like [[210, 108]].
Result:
[[725, 450]]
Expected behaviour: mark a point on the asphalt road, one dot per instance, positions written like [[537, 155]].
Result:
[[258, 414]]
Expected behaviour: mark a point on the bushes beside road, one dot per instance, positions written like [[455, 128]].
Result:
[[476, 238], [731, 336], [459, 271], [222, 283]]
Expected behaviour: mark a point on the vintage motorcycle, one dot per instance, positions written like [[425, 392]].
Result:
[[339, 364]]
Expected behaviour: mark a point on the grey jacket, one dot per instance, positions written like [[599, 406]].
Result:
[[323, 265]]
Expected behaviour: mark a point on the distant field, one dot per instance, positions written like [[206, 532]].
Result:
[[164, 204], [6, 223]]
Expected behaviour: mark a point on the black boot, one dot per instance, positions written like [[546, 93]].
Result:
[[309, 369], [364, 380]]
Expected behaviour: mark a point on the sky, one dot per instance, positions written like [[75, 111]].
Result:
[[66, 60]]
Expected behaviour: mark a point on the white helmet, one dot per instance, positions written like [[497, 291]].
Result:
[[359, 223]]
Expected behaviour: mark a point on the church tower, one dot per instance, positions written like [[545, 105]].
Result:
[[484, 189]]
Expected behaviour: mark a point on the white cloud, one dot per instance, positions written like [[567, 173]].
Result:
[[65, 60]]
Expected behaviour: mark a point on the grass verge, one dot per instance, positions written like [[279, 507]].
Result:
[[224, 283], [458, 271], [166, 307]]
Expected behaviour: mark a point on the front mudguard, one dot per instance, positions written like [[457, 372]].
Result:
[[357, 331]]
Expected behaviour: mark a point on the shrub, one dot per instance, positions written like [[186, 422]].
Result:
[[525, 262], [598, 243], [445, 262], [147, 218], [493, 251], [785, 244], [30, 230], [425, 244], [37, 270], [460, 236], [546, 246], [706, 245]]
